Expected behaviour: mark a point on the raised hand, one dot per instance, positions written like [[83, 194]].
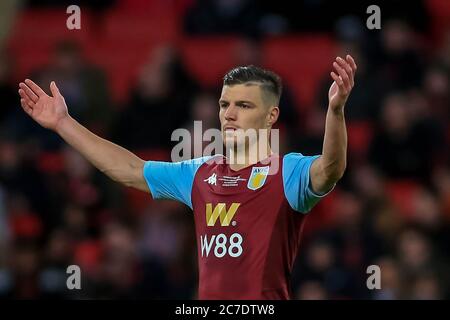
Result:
[[46, 110], [343, 82]]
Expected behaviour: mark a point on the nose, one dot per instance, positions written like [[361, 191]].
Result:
[[231, 112]]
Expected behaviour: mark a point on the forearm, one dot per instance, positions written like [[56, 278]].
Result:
[[334, 152], [116, 162]]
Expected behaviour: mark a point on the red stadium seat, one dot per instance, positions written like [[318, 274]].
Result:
[[26, 63], [35, 33], [146, 27], [87, 255], [303, 61], [359, 137], [440, 13], [25, 224], [120, 62], [209, 58], [324, 214], [51, 162], [46, 26], [401, 193]]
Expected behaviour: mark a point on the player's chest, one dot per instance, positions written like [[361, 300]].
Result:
[[246, 199]]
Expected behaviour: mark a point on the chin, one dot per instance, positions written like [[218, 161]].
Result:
[[233, 143]]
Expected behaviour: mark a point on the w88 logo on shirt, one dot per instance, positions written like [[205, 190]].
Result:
[[220, 245]]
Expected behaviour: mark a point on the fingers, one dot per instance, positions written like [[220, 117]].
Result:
[[351, 62], [344, 81], [54, 89], [30, 103], [348, 70], [35, 88], [26, 107], [28, 92], [345, 70], [337, 79]]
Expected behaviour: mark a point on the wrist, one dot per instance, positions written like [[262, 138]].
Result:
[[63, 124], [337, 111]]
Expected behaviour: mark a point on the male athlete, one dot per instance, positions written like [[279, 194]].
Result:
[[249, 214]]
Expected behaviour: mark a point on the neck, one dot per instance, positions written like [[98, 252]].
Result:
[[239, 158]]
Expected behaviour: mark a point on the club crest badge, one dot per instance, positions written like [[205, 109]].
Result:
[[257, 177]]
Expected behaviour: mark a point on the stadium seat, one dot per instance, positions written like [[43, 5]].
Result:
[[439, 11], [25, 224], [35, 33], [26, 63], [87, 255], [51, 162], [151, 27], [44, 27], [401, 193], [209, 58], [359, 137], [120, 62], [303, 61], [324, 214]]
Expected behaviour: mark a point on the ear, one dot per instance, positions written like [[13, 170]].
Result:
[[272, 116]]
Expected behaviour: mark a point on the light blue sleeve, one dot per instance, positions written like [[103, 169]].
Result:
[[297, 184], [172, 180]]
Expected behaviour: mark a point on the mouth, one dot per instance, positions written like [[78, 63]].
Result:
[[229, 128]]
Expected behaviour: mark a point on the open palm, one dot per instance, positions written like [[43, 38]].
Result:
[[46, 110]]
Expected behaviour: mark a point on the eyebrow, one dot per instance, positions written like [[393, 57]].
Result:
[[239, 102]]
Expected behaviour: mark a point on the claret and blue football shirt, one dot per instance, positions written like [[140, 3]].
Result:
[[247, 222]]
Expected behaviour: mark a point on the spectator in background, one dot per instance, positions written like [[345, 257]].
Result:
[[322, 265], [426, 287], [22, 280], [436, 90], [223, 16], [417, 258], [8, 94], [312, 290], [166, 244], [441, 185], [120, 270], [442, 55], [399, 65], [390, 280], [368, 92], [161, 97], [204, 108], [401, 148], [24, 184], [56, 257], [84, 86]]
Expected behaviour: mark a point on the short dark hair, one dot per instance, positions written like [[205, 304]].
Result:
[[269, 81]]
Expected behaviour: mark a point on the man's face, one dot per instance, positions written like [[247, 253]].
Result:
[[242, 107]]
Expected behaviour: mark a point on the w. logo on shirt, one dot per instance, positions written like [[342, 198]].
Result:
[[220, 211]]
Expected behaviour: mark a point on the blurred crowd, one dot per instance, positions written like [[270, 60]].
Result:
[[391, 209]]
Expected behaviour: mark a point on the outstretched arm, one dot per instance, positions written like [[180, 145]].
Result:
[[51, 112], [330, 166]]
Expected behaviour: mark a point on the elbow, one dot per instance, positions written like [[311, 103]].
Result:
[[335, 174]]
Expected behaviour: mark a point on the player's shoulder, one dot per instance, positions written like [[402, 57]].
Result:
[[204, 161], [209, 160], [293, 156]]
